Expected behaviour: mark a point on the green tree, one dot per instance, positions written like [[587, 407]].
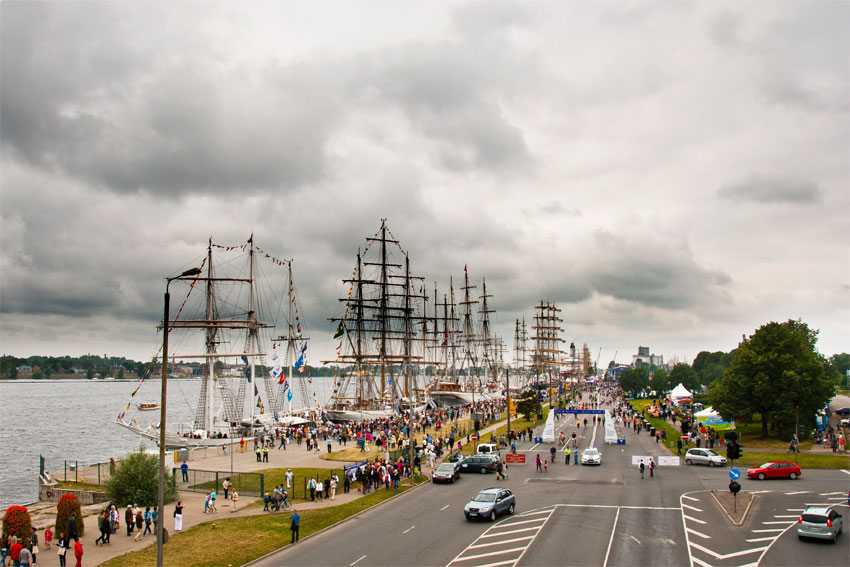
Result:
[[841, 364], [136, 481], [710, 366], [775, 373], [528, 404], [634, 380], [660, 382], [90, 373], [66, 506], [686, 376]]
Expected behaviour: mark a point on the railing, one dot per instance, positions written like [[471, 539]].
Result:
[[245, 483]]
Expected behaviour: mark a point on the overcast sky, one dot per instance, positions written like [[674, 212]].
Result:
[[671, 174]]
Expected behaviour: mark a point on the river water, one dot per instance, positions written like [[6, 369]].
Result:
[[73, 420]]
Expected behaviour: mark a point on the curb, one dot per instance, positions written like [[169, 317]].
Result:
[[729, 516]]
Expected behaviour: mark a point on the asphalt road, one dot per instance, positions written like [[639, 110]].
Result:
[[581, 515]]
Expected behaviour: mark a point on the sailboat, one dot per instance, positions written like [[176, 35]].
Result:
[[379, 343], [219, 322]]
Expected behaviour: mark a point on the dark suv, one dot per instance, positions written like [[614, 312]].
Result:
[[479, 463]]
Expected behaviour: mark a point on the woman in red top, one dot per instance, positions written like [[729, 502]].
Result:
[[15, 550], [78, 553]]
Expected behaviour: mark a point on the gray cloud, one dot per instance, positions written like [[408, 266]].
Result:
[[772, 189]]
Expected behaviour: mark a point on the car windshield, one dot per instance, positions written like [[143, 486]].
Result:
[[591, 452], [446, 467], [765, 466], [484, 497], [712, 453]]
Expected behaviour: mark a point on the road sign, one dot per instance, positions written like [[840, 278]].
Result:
[[518, 458], [578, 411], [734, 474], [474, 437]]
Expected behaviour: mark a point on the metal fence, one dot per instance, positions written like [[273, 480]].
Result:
[[245, 483]]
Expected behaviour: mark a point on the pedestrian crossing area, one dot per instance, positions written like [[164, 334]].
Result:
[[504, 543]]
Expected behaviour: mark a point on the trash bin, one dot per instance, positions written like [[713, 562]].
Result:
[[652, 432]]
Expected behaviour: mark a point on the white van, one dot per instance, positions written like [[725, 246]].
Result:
[[488, 449]]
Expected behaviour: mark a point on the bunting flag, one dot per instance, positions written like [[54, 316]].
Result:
[[339, 330], [245, 359], [282, 379], [289, 395], [300, 362], [256, 391]]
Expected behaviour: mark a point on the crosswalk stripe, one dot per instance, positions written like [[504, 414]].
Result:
[[497, 534], [758, 539], [492, 553], [700, 534], [689, 507], [697, 520], [501, 542]]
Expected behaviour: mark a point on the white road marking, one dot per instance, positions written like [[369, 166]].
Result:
[[697, 520], [799, 492], [845, 471], [794, 509], [700, 534], [535, 513], [728, 555], [772, 530], [760, 491], [787, 516], [492, 553], [444, 507], [636, 539], [690, 498], [836, 498], [758, 539], [695, 509], [497, 534], [816, 504], [511, 524], [355, 563], [784, 523], [699, 562], [508, 562], [829, 493], [501, 542], [611, 540], [408, 529]]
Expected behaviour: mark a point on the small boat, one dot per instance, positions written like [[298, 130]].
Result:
[[144, 406]]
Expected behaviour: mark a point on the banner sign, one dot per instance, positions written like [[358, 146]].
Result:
[[518, 458], [578, 411]]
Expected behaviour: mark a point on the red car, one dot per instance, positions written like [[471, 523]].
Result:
[[775, 469]]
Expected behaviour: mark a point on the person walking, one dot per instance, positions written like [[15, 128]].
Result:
[[575, 455], [78, 553], [62, 545], [289, 477], [226, 487], [24, 558], [213, 509], [103, 527], [48, 538], [140, 521], [265, 454], [72, 527], [295, 525], [651, 468], [311, 484], [129, 519], [178, 516], [567, 456], [539, 463], [148, 520], [234, 501], [320, 487], [184, 471], [679, 446], [641, 466], [333, 488], [499, 468]]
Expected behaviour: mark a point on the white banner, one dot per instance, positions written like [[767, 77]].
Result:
[[668, 461]]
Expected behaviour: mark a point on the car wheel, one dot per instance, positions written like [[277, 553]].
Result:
[[688, 462], [761, 476], [511, 510], [483, 470], [493, 517], [712, 464], [792, 476]]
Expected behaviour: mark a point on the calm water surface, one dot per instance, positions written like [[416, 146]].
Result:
[[73, 420]]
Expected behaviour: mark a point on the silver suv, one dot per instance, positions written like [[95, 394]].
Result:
[[820, 522], [704, 457]]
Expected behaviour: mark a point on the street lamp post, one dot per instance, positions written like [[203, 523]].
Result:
[[161, 495]]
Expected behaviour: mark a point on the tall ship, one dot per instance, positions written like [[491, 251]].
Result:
[[381, 348], [223, 327]]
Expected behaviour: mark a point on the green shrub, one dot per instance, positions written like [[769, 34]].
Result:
[[17, 522], [69, 504], [136, 481]]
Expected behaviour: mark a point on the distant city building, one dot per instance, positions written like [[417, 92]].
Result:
[[25, 369], [643, 356]]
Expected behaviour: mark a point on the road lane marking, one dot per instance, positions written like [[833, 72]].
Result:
[[697, 520], [783, 523], [816, 504], [492, 553], [689, 507], [700, 534], [522, 522], [758, 539], [794, 509], [728, 555], [444, 507], [501, 542], [611, 540], [355, 563], [760, 491], [799, 492], [408, 529], [702, 563], [845, 471], [690, 498], [786, 516], [508, 562], [497, 534], [526, 514], [829, 493], [771, 530]]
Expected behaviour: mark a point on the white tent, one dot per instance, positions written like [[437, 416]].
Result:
[[680, 392], [706, 413]]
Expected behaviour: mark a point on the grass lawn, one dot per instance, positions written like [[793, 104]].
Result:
[[239, 540], [71, 485], [805, 460], [673, 433]]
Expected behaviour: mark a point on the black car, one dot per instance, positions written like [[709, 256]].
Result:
[[479, 463], [842, 411]]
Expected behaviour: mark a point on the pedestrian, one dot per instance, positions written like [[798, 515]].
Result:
[[295, 525], [651, 468], [575, 456], [140, 521], [155, 516], [62, 548], [148, 520], [265, 454], [72, 527], [567, 454], [34, 546], [207, 503], [213, 509], [234, 501], [289, 477], [15, 549], [48, 538], [78, 553], [319, 489], [103, 527], [4, 550], [641, 466], [178, 516], [499, 469], [311, 484], [184, 470], [333, 488], [129, 519], [539, 463], [24, 558], [257, 451], [329, 444], [226, 486], [346, 483], [242, 445], [282, 442], [679, 446]]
